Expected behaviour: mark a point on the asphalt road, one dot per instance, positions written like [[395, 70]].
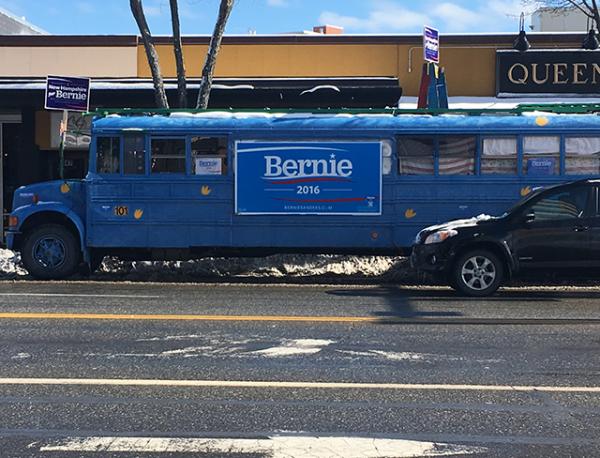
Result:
[[118, 369]]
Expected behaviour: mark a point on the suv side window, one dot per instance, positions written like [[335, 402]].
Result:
[[562, 205]]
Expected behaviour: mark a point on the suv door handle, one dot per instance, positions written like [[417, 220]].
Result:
[[580, 228]]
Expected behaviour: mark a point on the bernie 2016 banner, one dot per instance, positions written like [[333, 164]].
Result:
[[314, 178]]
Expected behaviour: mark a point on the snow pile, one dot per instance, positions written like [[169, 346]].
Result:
[[271, 267], [10, 264], [268, 268]]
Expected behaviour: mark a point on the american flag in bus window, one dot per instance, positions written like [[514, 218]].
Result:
[[415, 155], [499, 156], [457, 155]]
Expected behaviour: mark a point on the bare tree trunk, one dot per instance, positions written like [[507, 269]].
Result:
[[213, 50], [159, 87], [177, 49], [596, 14]]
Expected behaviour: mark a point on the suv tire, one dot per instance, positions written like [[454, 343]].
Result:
[[477, 273], [50, 252]]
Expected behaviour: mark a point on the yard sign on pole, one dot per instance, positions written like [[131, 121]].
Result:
[[431, 45], [66, 93]]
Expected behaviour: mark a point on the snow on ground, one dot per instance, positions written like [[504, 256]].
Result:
[[10, 264], [271, 267]]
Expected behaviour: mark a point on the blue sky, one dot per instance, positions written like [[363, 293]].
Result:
[[273, 16]]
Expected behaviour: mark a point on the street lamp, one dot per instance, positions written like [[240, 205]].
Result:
[[521, 44]]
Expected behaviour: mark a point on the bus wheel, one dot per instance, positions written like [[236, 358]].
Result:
[[477, 273], [51, 251]]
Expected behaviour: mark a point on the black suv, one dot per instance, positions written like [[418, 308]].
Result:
[[552, 228]]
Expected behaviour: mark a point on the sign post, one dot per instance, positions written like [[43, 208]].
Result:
[[433, 92], [66, 93]]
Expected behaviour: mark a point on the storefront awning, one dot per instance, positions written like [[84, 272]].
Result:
[[238, 93]]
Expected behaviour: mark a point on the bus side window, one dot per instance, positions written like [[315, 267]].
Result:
[[209, 155], [582, 155], [168, 155], [457, 154], [541, 155], [386, 157], [134, 155], [108, 150], [415, 155], [499, 156]]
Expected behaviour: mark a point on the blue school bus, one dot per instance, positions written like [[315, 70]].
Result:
[[181, 185]]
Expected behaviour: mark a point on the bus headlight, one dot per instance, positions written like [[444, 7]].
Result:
[[440, 236]]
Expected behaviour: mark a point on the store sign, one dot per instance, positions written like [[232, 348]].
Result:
[[311, 178], [431, 45], [78, 135], [547, 72], [67, 93]]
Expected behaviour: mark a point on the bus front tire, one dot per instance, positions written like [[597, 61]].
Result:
[[477, 273], [51, 252]]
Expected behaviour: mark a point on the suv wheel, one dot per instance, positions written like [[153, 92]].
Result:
[[477, 273]]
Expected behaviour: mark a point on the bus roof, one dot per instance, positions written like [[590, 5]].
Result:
[[180, 122]]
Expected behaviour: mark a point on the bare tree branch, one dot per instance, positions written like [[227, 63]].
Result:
[[558, 6], [596, 14], [178, 50], [159, 88], [585, 9], [211, 57]]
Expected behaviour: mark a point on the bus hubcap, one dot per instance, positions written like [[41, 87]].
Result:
[[49, 252], [478, 272]]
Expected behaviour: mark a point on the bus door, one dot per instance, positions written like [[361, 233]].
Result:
[[210, 191], [114, 210]]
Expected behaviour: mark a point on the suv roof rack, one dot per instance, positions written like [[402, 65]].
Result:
[[557, 108]]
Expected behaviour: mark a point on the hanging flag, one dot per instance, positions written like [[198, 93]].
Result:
[[442, 90], [424, 87], [432, 94]]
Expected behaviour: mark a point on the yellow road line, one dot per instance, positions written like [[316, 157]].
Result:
[[173, 317], [289, 318], [290, 384]]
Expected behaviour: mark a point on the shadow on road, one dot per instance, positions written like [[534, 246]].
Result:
[[429, 303], [398, 300]]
